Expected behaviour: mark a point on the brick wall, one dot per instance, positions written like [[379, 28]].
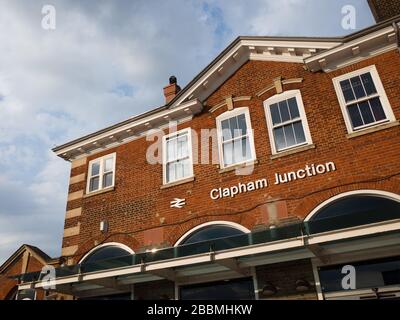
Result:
[[138, 210], [384, 9], [7, 284]]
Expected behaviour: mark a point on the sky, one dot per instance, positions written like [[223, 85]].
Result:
[[106, 61]]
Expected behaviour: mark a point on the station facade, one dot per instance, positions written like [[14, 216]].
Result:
[[274, 174]]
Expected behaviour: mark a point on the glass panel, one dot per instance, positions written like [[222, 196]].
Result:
[[181, 169], [108, 180], [377, 109], [211, 233], [234, 126], [107, 252], [294, 109], [276, 118], [366, 112], [299, 132], [368, 83], [94, 184], [358, 87], [171, 175], [95, 168], [226, 133], [171, 149], [289, 134], [355, 115], [241, 150], [227, 149], [347, 90], [242, 124], [279, 138], [182, 146], [284, 110], [369, 274], [246, 148], [352, 211], [108, 164]]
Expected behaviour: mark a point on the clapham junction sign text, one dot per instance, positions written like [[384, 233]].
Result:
[[280, 178]]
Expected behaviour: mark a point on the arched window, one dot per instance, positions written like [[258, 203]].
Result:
[[109, 255], [212, 231], [353, 210]]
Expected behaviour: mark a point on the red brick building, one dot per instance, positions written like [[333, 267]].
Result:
[[280, 180], [25, 260]]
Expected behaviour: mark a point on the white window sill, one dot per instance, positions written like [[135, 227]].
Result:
[[293, 151], [238, 166], [176, 183], [94, 193], [375, 128]]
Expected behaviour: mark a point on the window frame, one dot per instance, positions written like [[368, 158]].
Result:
[[227, 115], [188, 131], [286, 95], [101, 173], [381, 94]]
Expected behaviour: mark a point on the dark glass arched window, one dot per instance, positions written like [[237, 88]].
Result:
[[353, 211], [210, 233], [105, 253]]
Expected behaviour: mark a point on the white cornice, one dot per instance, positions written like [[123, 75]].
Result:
[[127, 132], [354, 51]]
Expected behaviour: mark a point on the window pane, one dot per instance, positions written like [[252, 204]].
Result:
[[107, 180], [186, 167], [171, 149], [108, 165], [358, 87], [246, 149], [182, 146], [242, 124], [234, 126], [95, 168], [94, 184], [228, 153], [355, 115], [347, 91], [283, 107], [377, 109], [241, 150], [366, 112], [368, 83], [276, 118], [299, 132], [279, 139], [171, 172], [294, 110], [226, 133], [289, 134]]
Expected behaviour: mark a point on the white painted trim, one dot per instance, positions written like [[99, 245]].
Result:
[[101, 172], [243, 45], [212, 223], [189, 133], [350, 44], [227, 115], [107, 244], [380, 92], [192, 104], [281, 97], [366, 192]]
